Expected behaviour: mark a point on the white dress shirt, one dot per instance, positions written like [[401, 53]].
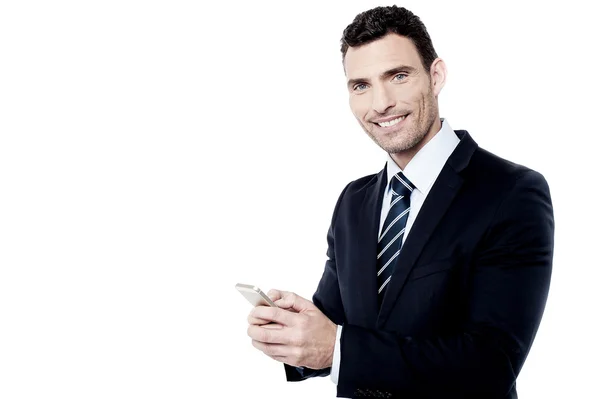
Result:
[[422, 171]]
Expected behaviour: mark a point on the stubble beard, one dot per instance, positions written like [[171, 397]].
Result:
[[410, 136], [401, 141]]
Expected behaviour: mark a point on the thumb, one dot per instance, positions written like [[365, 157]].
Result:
[[274, 294], [292, 301]]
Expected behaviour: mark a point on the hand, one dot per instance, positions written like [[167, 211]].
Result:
[[275, 296], [301, 336]]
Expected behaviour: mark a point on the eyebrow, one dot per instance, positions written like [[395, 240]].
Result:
[[387, 74]]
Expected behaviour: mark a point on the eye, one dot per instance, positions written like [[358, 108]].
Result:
[[358, 86], [400, 74]]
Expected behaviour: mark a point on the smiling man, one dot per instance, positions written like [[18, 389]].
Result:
[[439, 265], [393, 96]]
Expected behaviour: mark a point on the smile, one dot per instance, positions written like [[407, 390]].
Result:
[[392, 122]]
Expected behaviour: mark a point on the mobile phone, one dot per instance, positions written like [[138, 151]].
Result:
[[254, 295]]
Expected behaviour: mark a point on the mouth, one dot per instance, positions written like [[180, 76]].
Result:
[[391, 124]]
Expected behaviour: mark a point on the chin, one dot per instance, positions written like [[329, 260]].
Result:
[[398, 148], [402, 144]]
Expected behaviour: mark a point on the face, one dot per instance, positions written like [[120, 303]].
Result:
[[391, 94]]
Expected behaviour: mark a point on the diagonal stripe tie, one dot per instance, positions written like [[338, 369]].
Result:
[[392, 233]]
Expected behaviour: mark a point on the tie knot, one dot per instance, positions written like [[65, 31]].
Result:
[[401, 185]]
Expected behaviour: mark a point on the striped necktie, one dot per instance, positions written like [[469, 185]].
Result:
[[390, 239]]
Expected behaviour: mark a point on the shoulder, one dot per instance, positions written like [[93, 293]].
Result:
[[361, 184], [354, 192], [489, 170], [512, 192]]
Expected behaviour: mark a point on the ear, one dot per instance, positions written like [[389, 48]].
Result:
[[438, 73]]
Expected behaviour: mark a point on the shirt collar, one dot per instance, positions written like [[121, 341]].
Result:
[[424, 168]]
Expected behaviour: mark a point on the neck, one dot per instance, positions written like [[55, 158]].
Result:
[[403, 158]]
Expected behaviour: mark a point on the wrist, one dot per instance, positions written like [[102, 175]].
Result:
[[332, 341]]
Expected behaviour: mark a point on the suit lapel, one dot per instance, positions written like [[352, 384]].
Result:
[[433, 209], [362, 279]]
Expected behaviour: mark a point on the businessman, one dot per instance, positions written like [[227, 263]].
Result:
[[439, 265]]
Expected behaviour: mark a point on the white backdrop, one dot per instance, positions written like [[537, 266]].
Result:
[[154, 154]]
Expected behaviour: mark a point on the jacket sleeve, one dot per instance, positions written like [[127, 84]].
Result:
[[508, 291], [331, 306]]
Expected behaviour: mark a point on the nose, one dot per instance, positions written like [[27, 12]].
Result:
[[382, 100]]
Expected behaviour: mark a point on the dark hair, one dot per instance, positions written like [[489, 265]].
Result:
[[373, 24]]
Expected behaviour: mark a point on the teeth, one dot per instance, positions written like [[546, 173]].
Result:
[[392, 122]]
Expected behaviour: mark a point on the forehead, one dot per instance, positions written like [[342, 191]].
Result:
[[380, 55]]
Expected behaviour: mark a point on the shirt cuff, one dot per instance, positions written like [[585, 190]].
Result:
[[335, 367]]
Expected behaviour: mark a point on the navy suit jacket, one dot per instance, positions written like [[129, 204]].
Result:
[[467, 293]]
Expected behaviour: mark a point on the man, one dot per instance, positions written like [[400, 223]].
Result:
[[439, 265]]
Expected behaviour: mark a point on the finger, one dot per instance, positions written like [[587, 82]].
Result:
[[275, 351], [294, 301], [274, 326], [261, 346], [274, 294], [277, 315], [257, 321], [281, 303], [268, 335], [277, 296], [264, 323]]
